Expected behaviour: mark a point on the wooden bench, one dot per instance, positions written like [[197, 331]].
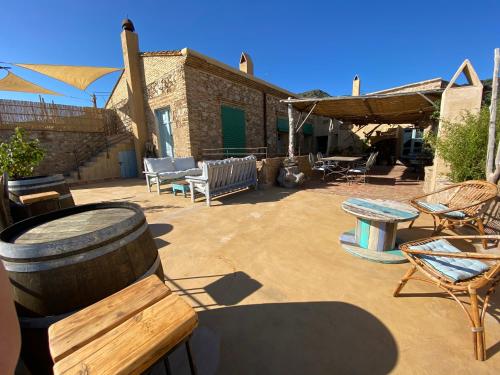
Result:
[[125, 333], [40, 203]]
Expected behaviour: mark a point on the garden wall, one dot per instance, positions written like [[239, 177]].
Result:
[[60, 147], [68, 134], [268, 169]]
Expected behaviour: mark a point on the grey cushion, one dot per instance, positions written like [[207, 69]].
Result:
[[171, 175], [455, 269], [182, 164], [159, 164]]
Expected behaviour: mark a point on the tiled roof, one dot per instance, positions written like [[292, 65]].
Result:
[[162, 53]]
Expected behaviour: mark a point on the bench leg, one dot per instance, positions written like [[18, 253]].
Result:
[[191, 190], [192, 365], [149, 183], [166, 363], [158, 185]]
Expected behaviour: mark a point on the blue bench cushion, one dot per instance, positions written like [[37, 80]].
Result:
[[455, 269], [434, 207]]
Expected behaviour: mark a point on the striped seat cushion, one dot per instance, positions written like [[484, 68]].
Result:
[[455, 269], [434, 207]]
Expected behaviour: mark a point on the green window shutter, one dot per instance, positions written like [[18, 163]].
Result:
[[233, 128], [307, 129], [282, 125]]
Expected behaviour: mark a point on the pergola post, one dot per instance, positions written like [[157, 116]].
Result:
[[291, 131]]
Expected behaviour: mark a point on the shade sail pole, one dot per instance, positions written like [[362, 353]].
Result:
[[291, 132]]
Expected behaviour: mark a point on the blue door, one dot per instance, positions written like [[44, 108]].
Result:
[[128, 164], [166, 139]]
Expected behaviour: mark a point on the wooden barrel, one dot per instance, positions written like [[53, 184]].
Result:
[[65, 260], [32, 185]]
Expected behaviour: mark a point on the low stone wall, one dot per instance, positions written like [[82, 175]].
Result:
[[268, 169], [59, 147]]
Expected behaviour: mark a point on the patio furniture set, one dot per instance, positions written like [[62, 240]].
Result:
[[348, 168], [214, 178], [438, 260]]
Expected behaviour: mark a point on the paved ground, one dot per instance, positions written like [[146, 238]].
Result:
[[276, 294]]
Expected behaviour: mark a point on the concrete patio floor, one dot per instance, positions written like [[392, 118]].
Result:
[[276, 294]]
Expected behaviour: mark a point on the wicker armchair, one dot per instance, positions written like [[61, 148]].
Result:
[[456, 272], [464, 206]]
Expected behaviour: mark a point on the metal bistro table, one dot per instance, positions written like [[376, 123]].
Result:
[[349, 160], [375, 235]]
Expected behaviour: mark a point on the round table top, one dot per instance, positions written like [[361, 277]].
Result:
[[380, 210]]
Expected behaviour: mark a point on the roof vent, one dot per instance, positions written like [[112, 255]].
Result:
[[246, 63]]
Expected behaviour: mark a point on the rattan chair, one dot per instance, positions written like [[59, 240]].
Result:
[[464, 206], [437, 259]]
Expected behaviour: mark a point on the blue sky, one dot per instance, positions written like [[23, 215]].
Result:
[[298, 45]]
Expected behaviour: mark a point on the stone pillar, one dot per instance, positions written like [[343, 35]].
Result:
[[133, 75], [456, 100]]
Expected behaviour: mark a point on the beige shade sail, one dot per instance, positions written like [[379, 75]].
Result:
[[77, 76], [12, 82]]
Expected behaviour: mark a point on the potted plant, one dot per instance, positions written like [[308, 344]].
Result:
[[18, 158], [20, 155]]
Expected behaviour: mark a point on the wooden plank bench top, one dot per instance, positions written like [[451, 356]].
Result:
[[123, 334], [38, 197]]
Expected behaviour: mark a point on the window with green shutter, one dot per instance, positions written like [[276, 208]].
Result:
[[233, 129]]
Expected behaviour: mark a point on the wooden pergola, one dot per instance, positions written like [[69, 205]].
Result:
[[399, 108]]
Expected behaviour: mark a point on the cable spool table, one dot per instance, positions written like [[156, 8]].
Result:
[[376, 225]]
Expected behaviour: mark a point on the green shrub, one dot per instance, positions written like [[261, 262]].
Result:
[[464, 146], [20, 156]]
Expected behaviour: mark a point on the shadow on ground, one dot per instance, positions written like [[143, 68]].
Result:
[[293, 338]]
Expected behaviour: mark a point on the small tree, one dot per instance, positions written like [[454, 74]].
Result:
[[20, 156], [464, 146]]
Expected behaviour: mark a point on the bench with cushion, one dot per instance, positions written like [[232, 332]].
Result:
[[224, 176], [164, 170]]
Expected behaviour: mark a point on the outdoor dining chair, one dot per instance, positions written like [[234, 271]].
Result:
[[318, 165], [456, 273], [362, 169], [464, 206]]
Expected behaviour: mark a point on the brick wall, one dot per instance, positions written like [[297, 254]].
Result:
[[59, 147]]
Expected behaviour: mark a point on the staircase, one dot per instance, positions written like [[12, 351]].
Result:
[[105, 163]]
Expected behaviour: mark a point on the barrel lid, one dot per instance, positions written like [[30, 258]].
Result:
[[74, 225], [69, 231]]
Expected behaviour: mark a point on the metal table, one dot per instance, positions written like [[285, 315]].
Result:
[[343, 159], [349, 160], [375, 235]]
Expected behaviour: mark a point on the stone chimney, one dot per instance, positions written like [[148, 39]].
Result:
[[356, 86], [246, 63], [133, 73]]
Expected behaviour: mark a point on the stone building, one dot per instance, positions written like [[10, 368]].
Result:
[[185, 103]]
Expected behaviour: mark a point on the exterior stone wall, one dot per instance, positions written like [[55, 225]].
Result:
[[268, 169], [206, 93], [59, 147], [169, 91]]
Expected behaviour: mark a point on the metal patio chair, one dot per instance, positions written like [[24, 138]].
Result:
[[317, 165], [456, 272], [362, 169]]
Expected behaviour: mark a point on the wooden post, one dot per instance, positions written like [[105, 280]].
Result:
[[291, 131], [94, 100], [330, 135], [492, 161]]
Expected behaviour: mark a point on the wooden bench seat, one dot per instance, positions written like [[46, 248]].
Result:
[[125, 333]]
